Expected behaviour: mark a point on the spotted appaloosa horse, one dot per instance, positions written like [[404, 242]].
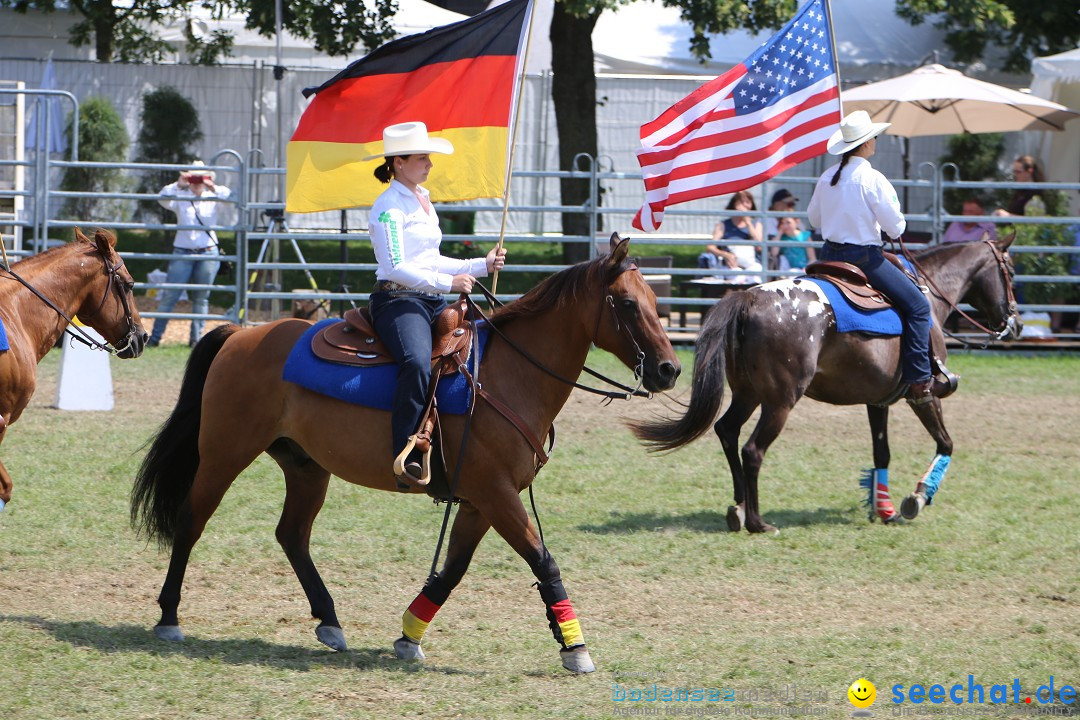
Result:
[[85, 278], [776, 342], [234, 380]]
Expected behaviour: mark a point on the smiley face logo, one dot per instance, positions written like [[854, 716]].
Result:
[[862, 693]]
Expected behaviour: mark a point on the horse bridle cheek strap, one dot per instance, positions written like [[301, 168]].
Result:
[[113, 271]]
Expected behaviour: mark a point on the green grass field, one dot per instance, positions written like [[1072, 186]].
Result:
[[985, 582]]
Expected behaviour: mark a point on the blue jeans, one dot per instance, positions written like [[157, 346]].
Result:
[[187, 272], [909, 301], [403, 322]]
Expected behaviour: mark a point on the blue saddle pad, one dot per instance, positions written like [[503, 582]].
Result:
[[853, 319], [370, 386], [3, 338]]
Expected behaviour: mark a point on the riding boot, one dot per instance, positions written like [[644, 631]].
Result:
[[923, 392]]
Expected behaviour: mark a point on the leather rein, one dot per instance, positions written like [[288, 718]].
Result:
[[113, 272], [1010, 297]]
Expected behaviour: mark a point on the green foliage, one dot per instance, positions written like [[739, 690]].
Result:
[[129, 32], [976, 158], [102, 138], [335, 26], [170, 126], [1021, 27], [1052, 203]]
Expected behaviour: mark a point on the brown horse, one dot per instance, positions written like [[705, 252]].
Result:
[[777, 342], [234, 379], [85, 278]]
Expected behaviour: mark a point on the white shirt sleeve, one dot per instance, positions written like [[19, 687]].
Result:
[[170, 191], [886, 207]]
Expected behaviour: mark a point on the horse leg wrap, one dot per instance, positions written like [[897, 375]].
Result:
[[876, 483], [561, 616], [931, 481], [415, 620]]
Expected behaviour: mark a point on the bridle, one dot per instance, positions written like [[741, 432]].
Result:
[[1011, 308], [608, 301], [122, 289]]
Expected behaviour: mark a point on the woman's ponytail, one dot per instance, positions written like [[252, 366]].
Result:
[[843, 162], [385, 172]]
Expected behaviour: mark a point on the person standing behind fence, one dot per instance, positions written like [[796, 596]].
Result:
[[194, 198], [1024, 170]]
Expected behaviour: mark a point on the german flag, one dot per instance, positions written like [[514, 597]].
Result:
[[459, 79]]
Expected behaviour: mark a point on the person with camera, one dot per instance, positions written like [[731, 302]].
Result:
[[194, 197]]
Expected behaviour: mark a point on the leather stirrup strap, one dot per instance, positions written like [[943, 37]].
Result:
[[517, 422]]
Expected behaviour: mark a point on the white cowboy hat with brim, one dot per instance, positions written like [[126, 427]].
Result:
[[410, 138], [196, 169], [854, 130]]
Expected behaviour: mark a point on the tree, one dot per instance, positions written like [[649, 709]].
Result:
[[170, 126], [102, 138], [125, 32], [1024, 28]]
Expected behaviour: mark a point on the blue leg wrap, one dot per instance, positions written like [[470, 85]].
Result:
[[871, 478], [934, 475], [2, 504]]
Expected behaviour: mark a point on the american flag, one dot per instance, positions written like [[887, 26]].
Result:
[[773, 111]]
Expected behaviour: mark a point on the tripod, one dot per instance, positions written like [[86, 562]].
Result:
[[276, 222]]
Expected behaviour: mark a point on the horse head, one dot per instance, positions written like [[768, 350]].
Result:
[[109, 305], [628, 325], [991, 290]]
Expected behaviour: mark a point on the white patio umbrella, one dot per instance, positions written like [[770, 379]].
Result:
[[936, 100]]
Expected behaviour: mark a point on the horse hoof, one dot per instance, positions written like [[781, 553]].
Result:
[[577, 660], [332, 637], [734, 518], [406, 649], [911, 506], [169, 633]]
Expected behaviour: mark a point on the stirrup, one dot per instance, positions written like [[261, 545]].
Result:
[[405, 480]]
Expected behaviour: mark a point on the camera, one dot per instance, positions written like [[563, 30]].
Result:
[[196, 179]]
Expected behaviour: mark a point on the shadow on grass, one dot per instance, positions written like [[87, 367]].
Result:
[[135, 638], [712, 521]]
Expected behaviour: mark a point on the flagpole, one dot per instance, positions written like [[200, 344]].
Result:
[[835, 61], [513, 141]]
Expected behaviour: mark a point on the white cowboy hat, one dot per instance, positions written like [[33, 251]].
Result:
[[854, 130], [196, 165], [410, 138]]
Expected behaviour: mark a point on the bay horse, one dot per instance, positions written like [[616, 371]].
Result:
[[234, 379], [777, 342], [85, 278]]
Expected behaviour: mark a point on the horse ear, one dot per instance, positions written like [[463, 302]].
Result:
[[104, 240], [1004, 243], [79, 237], [619, 249]]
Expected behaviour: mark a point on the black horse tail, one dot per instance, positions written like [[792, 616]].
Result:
[[719, 333], [168, 470]]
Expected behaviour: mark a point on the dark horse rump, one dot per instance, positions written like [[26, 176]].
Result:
[[777, 342]]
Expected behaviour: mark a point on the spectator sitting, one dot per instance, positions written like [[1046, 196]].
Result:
[[741, 227], [782, 201], [792, 258], [1024, 170], [961, 231]]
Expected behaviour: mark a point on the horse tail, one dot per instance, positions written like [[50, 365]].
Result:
[[718, 334], [168, 470]]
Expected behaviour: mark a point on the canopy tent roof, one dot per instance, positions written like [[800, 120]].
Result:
[[1057, 78]]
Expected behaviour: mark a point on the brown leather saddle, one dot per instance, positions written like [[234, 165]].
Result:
[[852, 282], [353, 341]]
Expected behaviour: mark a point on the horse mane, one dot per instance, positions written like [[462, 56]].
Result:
[[556, 290], [49, 255]]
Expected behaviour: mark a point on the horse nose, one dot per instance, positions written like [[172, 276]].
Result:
[[668, 372]]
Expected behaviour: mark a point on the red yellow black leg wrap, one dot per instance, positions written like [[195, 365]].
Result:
[[561, 616], [415, 620]]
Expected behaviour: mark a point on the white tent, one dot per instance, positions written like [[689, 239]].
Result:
[[1057, 78]]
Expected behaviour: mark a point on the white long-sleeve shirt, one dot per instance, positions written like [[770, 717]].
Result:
[[192, 209], [406, 238], [858, 207]]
